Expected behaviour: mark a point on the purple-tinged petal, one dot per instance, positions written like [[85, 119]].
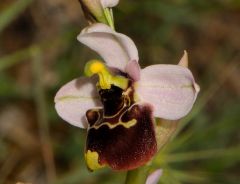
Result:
[[171, 89], [184, 60], [75, 98], [133, 70], [109, 3], [154, 177], [115, 48]]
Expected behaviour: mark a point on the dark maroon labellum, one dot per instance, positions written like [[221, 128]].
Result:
[[122, 133]]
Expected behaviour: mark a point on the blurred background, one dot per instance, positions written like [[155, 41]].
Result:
[[39, 53]]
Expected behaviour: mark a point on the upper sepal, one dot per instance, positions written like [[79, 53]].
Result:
[[115, 48]]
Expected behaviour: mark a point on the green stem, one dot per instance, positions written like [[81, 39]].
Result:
[[109, 16], [137, 176]]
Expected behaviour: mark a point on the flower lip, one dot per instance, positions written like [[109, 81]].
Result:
[[112, 100], [120, 141]]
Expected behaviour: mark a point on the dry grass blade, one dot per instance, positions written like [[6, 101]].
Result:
[[42, 117], [10, 13]]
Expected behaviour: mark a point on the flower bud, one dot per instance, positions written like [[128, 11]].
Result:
[[93, 11]]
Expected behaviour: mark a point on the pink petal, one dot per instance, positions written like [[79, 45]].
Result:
[[75, 98], [133, 70], [109, 3], [171, 89], [154, 177], [115, 48]]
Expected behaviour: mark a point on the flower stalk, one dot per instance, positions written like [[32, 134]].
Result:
[[109, 16], [138, 175]]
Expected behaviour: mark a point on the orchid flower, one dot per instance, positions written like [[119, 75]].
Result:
[[119, 107]]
